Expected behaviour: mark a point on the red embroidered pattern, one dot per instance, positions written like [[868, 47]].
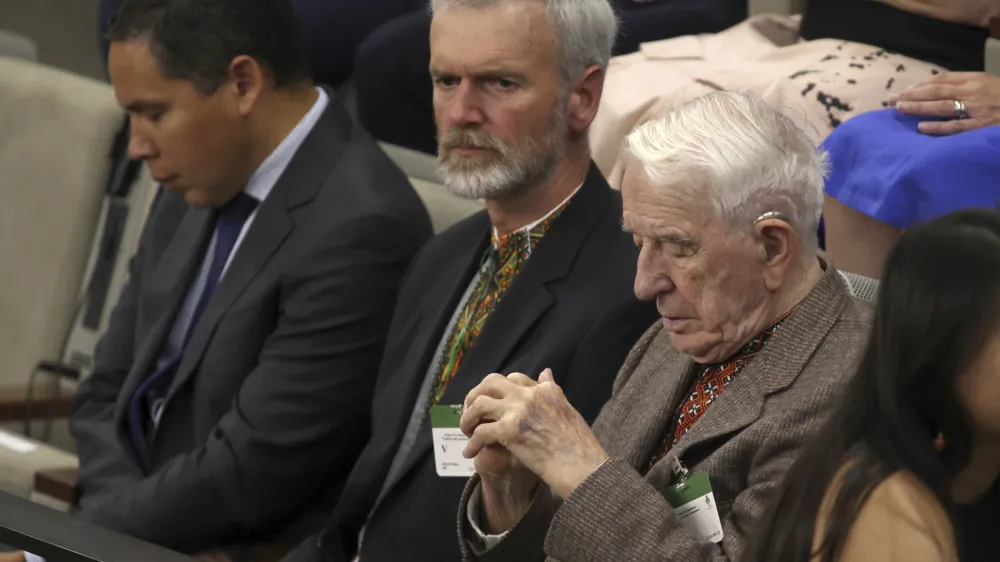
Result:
[[708, 386]]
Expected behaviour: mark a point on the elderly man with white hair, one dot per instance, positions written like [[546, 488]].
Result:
[[757, 337]]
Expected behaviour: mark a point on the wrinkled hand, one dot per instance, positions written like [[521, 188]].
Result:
[[494, 462], [507, 486], [536, 425], [979, 91]]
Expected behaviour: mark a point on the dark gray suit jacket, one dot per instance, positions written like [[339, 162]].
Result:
[[270, 405], [746, 442]]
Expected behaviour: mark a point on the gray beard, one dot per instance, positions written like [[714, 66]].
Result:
[[503, 170]]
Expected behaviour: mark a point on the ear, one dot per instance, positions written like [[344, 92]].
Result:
[[584, 99], [775, 239], [246, 82]]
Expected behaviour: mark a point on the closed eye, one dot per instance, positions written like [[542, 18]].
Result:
[[683, 246]]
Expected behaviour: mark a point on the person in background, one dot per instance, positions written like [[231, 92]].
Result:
[[331, 30], [541, 278], [757, 339], [839, 59], [955, 102], [395, 90], [906, 470], [865, 215], [231, 393], [889, 175], [948, 33]]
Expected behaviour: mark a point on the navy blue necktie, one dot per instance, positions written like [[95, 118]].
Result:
[[147, 403]]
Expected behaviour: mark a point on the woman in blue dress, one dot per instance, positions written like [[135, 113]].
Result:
[[935, 151]]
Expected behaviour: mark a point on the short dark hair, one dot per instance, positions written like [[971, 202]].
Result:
[[196, 40]]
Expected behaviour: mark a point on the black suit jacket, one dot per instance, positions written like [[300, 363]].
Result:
[[571, 309], [270, 405]]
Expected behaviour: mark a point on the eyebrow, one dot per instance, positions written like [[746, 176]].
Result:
[[489, 74], [506, 74], [143, 106], [675, 239], [668, 238]]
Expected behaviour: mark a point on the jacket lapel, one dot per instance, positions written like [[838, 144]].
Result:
[[272, 225], [427, 334], [524, 304], [775, 369], [650, 399], [168, 285], [530, 295], [270, 228], [454, 281]]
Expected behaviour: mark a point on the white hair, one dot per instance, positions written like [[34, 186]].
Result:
[[585, 31], [747, 157]]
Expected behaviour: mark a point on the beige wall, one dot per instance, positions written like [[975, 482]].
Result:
[[65, 31]]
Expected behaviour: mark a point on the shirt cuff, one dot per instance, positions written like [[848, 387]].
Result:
[[472, 512], [29, 557]]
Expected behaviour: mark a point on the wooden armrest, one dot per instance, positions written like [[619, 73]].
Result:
[[13, 402], [58, 483]]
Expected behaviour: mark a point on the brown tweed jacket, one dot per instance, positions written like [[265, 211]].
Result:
[[746, 442]]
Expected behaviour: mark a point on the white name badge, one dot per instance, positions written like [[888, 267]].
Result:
[[449, 442], [694, 504]]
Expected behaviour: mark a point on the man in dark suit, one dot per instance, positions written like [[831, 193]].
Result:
[[541, 278], [230, 395], [394, 90]]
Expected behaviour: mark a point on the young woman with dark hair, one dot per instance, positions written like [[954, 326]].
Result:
[[905, 470]]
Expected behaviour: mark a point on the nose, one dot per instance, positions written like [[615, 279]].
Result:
[[651, 274], [140, 147], [466, 108]]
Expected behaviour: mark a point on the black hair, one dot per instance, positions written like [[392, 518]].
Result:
[[937, 308], [196, 40]]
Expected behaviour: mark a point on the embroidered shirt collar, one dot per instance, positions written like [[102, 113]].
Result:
[[525, 231]]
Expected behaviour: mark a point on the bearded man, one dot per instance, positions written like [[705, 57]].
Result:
[[542, 278]]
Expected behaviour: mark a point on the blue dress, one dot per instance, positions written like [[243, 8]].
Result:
[[883, 167]]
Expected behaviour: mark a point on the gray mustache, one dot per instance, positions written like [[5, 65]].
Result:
[[471, 138]]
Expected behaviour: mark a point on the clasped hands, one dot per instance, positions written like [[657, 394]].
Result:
[[521, 431]]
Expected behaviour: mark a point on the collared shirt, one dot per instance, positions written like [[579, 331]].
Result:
[[259, 186]]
